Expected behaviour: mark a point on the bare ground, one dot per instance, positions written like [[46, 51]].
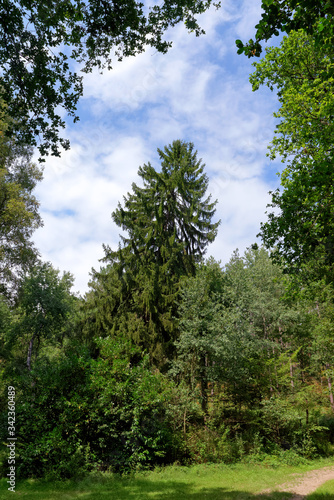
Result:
[[304, 484]]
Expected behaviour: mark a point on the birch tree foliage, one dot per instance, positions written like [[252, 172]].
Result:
[[232, 322], [19, 215], [201, 333], [44, 305]]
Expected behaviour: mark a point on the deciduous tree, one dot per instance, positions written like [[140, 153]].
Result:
[[45, 302], [39, 40], [315, 17], [19, 216], [301, 71]]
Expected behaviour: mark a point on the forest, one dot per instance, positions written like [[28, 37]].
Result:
[[171, 357]]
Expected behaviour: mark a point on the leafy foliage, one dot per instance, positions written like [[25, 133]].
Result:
[[44, 305], [170, 357], [302, 227], [202, 336], [82, 414], [315, 17], [39, 41], [19, 216]]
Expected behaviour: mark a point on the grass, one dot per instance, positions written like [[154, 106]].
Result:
[[200, 482], [325, 492]]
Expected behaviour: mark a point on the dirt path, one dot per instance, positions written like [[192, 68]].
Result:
[[304, 484]]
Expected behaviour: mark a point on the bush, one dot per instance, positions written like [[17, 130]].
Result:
[[77, 414], [328, 422]]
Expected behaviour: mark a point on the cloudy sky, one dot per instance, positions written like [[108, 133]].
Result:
[[198, 92]]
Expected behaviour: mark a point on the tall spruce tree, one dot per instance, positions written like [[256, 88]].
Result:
[[169, 225]]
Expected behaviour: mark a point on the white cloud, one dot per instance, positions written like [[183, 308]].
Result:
[[241, 205], [77, 195], [198, 92], [249, 16]]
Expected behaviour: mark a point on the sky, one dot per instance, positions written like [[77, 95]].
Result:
[[198, 92]]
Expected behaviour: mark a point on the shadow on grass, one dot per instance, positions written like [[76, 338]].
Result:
[[137, 489], [320, 496]]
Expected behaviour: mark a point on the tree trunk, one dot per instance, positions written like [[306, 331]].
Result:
[[31, 343], [270, 378], [291, 375], [204, 396], [331, 397], [203, 385], [184, 422]]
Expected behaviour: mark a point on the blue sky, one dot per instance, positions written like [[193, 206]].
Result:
[[198, 92]]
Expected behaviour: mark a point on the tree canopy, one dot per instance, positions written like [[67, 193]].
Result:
[[169, 226], [301, 71], [170, 357], [45, 302], [170, 210], [19, 216], [315, 17], [38, 41]]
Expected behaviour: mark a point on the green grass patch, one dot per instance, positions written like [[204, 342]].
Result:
[[324, 492], [200, 482]]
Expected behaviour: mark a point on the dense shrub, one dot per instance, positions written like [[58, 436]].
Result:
[[76, 414]]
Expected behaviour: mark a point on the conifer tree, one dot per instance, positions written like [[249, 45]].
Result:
[[169, 225]]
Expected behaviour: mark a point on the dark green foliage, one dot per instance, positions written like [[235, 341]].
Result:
[[315, 17], [80, 414], [40, 40], [134, 401], [168, 222], [245, 352], [48, 410], [5, 326], [44, 305], [237, 342], [170, 206]]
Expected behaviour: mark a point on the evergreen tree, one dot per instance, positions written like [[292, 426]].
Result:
[[168, 222], [169, 215]]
